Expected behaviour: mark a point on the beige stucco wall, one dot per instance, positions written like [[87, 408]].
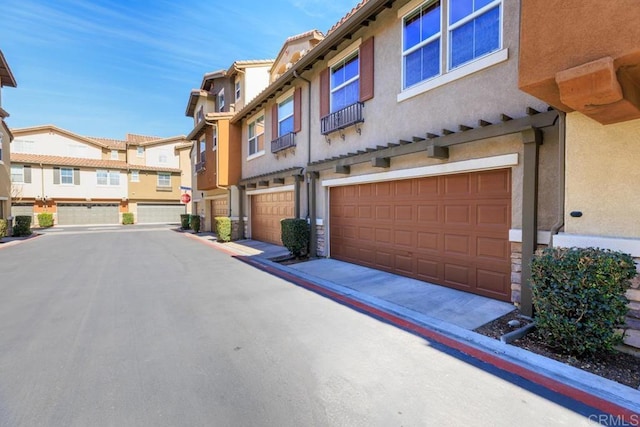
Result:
[[602, 177], [5, 173], [146, 188]]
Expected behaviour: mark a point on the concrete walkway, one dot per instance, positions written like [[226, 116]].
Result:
[[444, 315]]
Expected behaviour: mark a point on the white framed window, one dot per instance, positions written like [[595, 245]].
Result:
[[200, 115], [345, 82], [17, 174], [465, 31], [215, 138], [164, 179], [203, 149], [107, 177], [163, 158], [238, 91], [114, 154], [285, 116], [256, 136], [66, 176], [221, 100], [135, 176], [140, 151]]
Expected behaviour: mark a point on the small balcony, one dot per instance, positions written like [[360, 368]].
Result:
[[282, 143], [341, 119], [200, 167]]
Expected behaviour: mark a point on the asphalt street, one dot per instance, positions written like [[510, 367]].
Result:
[[141, 326]]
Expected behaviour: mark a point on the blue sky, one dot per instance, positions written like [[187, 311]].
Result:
[[107, 67]]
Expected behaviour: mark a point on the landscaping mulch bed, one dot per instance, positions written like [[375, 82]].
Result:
[[617, 366]]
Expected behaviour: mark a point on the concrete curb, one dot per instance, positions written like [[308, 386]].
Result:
[[600, 393]]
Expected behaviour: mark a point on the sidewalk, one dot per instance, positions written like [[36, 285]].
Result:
[[436, 313]]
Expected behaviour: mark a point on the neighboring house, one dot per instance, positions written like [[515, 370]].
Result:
[[403, 138], [6, 79], [216, 146], [593, 75], [85, 180]]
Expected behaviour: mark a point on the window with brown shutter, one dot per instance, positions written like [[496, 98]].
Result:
[[324, 92], [274, 121], [297, 110]]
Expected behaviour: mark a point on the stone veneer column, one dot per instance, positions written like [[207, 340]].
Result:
[[320, 239]]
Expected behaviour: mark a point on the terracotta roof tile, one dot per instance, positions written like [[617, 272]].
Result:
[[132, 137], [83, 162], [347, 16]]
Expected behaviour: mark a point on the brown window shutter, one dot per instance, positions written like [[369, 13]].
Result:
[[27, 174], [56, 175], [366, 70], [274, 121], [76, 176], [297, 110], [324, 92]]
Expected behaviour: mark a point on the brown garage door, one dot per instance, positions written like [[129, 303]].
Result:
[[266, 212], [220, 207], [452, 230]]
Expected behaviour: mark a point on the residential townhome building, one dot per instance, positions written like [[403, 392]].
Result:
[[85, 180], [592, 76], [6, 79], [216, 145], [414, 150]]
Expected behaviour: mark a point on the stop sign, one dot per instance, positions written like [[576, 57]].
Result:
[[185, 198]]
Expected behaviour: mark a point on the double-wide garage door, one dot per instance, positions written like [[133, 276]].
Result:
[[160, 213], [452, 230], [266, 212], [87, 213]]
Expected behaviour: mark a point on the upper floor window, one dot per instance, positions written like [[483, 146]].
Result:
[[221, 100], [256, 136], [66, 176], [471, 30], [238, 92], [163, 158], [285, 116], [203, 148], [108, 177], [200, 114], [140, 151], [164, 179], [135, 176], [17, 174], [215, 137], [114, 154], [345, 82]]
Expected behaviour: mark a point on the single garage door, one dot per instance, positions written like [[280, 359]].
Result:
[[88, 213], [220, 207], [22, 209], [266, 212], [452, 230], [160, 213]]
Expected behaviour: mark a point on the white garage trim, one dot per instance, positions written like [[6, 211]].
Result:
[[472, 165], [272, 190]]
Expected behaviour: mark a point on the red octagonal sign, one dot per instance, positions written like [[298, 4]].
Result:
[[185, 198]]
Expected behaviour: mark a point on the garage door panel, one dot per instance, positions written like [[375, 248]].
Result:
[[160, 213], [441, 229], [220, 207], [494, 282], [88, 214], [266, 212]]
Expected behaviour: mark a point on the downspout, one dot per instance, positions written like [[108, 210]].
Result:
[[311, 189], [562, 140]]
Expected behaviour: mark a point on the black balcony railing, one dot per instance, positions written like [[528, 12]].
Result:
[[342, 118], [285, 141], [199, 167]]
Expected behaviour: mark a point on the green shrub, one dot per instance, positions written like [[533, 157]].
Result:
[[223, 228], [579, 297], [45, 219], [23, 226], [295, 235], [4, 224], [195, 223], [127, 218], [185, 220]]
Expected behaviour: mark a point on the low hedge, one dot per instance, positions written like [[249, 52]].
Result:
[[45, 219], [185, 220], [22, 226], [223, 228], [4, 225], [579, 297], [195, 223], [295, 236], [127, 218]]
